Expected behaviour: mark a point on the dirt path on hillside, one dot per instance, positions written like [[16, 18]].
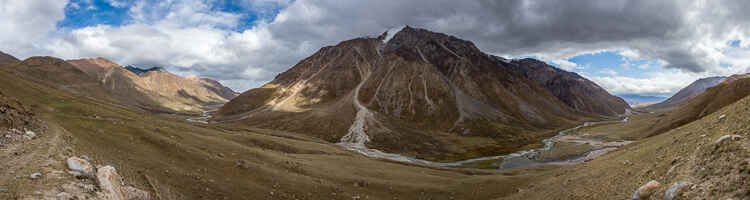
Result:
[[42, 154]]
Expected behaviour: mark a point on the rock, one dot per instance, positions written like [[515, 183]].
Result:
[[677, 189], [30, 134], [35, 175], [63, 196], [732, 137], [646, 191], [722, 117], [132, 193], [110, 183], [3, 190], [86, 187], [81, 167]]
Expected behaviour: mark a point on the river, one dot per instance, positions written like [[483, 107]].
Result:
[[513, 160]]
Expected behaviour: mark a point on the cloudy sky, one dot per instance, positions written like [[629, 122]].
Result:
[[629, 47]]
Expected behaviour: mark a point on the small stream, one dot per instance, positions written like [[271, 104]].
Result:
[[203, 119], [513, 160]]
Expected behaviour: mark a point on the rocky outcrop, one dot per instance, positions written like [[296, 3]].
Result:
[[17, 121], [14, 114], [111, 183]]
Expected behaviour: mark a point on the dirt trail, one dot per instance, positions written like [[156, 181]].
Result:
[[43, 154]]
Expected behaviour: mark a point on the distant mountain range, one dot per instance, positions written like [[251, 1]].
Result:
[[636, 99], [153, 89]]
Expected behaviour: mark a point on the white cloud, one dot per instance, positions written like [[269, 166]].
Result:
[[117, 4], [567, 65], [658, 84], [609, 72], [27, 24]]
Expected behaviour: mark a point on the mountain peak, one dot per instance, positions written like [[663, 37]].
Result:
[[419, 38], [41, 60]]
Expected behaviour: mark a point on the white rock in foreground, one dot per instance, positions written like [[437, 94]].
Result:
[[111, 183], [646, 191], [80, 166]]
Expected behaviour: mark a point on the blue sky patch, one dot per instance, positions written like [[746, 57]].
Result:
[[735, 43], [82, 13], [611, 63]]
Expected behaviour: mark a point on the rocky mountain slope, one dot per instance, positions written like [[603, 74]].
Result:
[[694, 89], [577, 92], [422, 93]]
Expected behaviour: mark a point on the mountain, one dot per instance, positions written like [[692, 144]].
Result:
[[103, 79], [55, 72], [5, 58], [156, 86], [694, 89], [139, 71], [577, 92], [728, 91], [422, 93], [636, 99]]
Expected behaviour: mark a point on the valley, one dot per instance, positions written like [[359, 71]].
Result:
[[423, 115]]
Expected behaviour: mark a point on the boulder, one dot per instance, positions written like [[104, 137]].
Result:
[[677, 189], [110, 183], [645, 191], [80, 167]]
